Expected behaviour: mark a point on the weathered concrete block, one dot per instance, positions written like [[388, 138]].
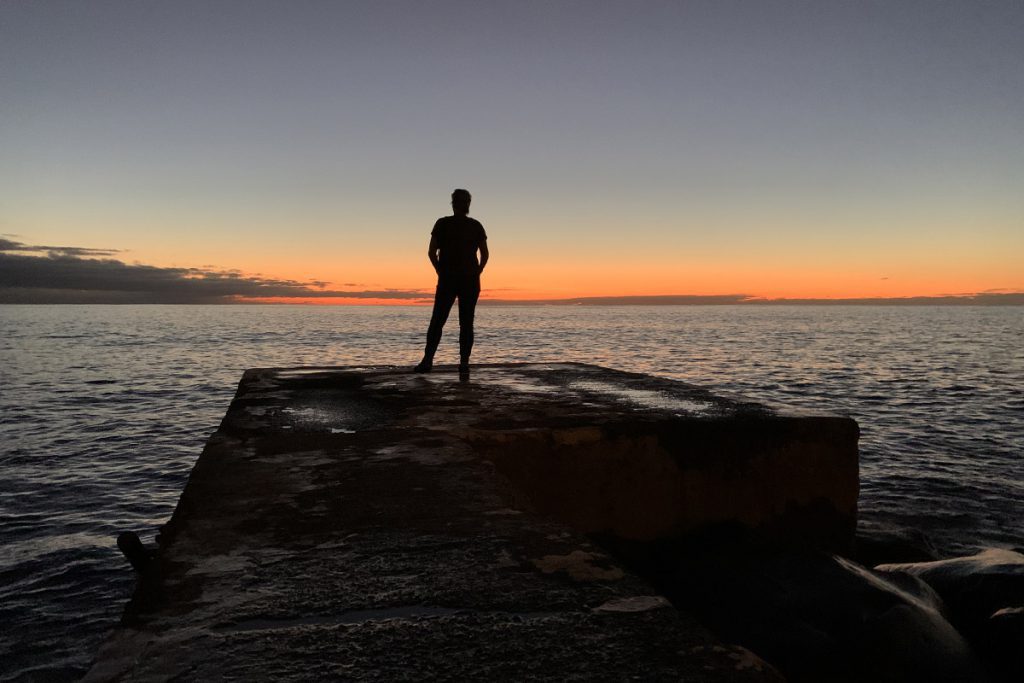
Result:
[[786, 479], [371, 523], [644, 458]]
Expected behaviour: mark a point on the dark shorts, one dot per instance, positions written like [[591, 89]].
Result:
[[458, 285]]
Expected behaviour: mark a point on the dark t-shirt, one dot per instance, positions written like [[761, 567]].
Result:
[[458, 238]]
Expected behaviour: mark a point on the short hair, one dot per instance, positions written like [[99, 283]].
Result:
[[461, 196]]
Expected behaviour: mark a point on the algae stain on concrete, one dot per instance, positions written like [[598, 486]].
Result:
[[638, 603], [580, 565]]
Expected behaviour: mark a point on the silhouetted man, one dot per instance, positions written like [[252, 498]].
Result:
[[454, 242]]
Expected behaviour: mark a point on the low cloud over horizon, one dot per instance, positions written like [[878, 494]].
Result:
[[37, 274], [51, 275]]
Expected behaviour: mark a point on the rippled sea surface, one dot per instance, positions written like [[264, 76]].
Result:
[[104, 409]]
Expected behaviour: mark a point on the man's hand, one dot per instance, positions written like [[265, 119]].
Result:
[[484, 256], [432, 254]]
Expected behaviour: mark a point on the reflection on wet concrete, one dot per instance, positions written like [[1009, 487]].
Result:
[[644, 398]]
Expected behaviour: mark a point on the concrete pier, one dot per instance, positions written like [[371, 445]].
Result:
[[369, 523]]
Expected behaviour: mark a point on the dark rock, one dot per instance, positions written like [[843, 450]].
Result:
[[974, 587], [1011, 617], [875, 545], [821, 618], [132, 548], [984, 594], [1002, 640]]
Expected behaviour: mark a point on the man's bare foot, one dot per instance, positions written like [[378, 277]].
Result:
[[424, 366]]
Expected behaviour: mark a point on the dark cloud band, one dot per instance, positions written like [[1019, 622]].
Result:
[[7, 245], [63, 276]]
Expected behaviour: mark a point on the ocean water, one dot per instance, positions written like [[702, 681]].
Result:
[[104, 409]]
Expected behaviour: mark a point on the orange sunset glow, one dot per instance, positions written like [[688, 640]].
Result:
[[769, 163]]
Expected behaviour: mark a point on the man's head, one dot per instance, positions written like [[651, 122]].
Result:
[[460, 202]]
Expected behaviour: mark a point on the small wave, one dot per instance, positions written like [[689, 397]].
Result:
[[20, 552]]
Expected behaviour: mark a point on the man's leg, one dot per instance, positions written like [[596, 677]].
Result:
[[467, 311], [444, 297]]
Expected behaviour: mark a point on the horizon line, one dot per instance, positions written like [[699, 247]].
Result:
[[977, 299]]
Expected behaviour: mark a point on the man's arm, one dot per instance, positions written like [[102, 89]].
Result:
[[432, 252], [484, 255]]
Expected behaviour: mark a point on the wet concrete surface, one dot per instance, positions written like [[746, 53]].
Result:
[[369, 523]]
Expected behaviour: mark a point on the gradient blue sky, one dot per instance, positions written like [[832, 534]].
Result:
[[767, 148]]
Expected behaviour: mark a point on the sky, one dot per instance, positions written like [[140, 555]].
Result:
[[303, 150]]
